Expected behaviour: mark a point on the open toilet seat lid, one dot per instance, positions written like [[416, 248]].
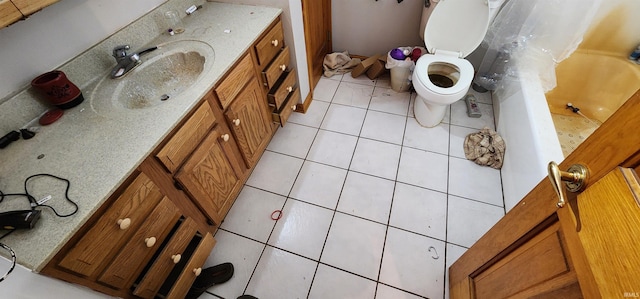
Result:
[[457, 25]]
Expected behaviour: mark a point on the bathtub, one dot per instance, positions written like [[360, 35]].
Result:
[[596, 83]]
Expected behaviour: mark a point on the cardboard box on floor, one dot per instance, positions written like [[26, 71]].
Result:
[[377, 68], [364, 66]]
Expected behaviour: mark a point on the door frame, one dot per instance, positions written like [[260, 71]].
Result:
[[307, 41]]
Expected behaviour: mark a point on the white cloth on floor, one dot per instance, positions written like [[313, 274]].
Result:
[[338, 63]]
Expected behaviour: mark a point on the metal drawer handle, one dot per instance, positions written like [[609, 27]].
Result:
[[283, 67], [275, 42], [124, 223], [150, 242], [575, 179], [176, 258]]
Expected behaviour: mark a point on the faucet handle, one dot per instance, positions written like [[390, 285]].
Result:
[[120, 51]]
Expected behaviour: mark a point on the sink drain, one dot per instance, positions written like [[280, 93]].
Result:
[[164, 97]]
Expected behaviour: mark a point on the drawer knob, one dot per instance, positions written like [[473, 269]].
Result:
[[197, 271], [283, 67], [289, 89], [293, 107], [225, 137], [124, 223], [176, 258], [275, 42], [150, 242], [236, 122]]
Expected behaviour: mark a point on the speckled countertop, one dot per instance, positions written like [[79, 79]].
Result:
[[97, 149]]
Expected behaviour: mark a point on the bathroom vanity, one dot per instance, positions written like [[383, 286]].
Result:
[[153, 183]]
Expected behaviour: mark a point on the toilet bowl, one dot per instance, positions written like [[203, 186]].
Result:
[[454, 29]]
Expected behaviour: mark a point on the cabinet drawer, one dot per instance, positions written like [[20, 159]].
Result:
[[126, 266], [167, 259], [269, 45], [280, 93], [9, 13], [281, 116], [173, 154], [236, 80], [271, 74], [115, 226], [192, 269]]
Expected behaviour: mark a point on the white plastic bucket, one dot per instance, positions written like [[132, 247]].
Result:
[[400, 78]]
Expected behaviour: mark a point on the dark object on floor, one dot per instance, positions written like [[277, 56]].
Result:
[[247, 297], [209, 277]]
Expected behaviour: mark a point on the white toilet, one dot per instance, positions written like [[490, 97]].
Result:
[[454, 29]]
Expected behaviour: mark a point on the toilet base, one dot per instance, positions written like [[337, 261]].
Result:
[[427, 114]]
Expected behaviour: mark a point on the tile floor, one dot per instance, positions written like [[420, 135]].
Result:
[[373, 205]]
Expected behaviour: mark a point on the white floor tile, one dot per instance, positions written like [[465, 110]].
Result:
[[280, 274], [367, 197], [414, 263], [383, 126], [249, 215], [363, 80], [325, 89], [293, 139], [434, 139], [319, 184], [336, 77], [242, 253], [353, 94], [313, 117], [424, 169], [354, 245], [344, 119], [376, 158], [453, 253], [384, 80], [459, 116], [333, 283], [275, 172], [387, 292], [387, 100], [420, 210], [468, 220], [481, 97], [302, 229], [470, 180], [333, 148], [456, 142]]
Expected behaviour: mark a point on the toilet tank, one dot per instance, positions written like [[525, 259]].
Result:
[[494, 7]]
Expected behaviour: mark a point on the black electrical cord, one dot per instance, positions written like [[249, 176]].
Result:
[[34, 203]]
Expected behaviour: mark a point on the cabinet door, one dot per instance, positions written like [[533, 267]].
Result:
[[209, 177], [9, 13], [249, 119]]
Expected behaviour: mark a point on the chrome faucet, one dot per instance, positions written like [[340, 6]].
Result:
[[126, 62]]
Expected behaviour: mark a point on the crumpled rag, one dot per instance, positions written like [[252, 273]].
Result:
[[485, 148], [338, 63]]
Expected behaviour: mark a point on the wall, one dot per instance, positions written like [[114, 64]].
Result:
[[615, 28], [51, 37], [368, 27]]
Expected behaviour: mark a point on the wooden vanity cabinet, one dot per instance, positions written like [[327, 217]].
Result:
[[12, 11]]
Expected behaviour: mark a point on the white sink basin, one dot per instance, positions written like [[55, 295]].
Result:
[[161, 77]]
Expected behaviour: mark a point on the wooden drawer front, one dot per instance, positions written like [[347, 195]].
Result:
[[106, 237], [28, 7], [278, 95], [127, 265], [271, 74], [9, 13], [188, 275], [281, 116], [209, 177], [234, 83], [162, 266], [270, 45], [173, 154]]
